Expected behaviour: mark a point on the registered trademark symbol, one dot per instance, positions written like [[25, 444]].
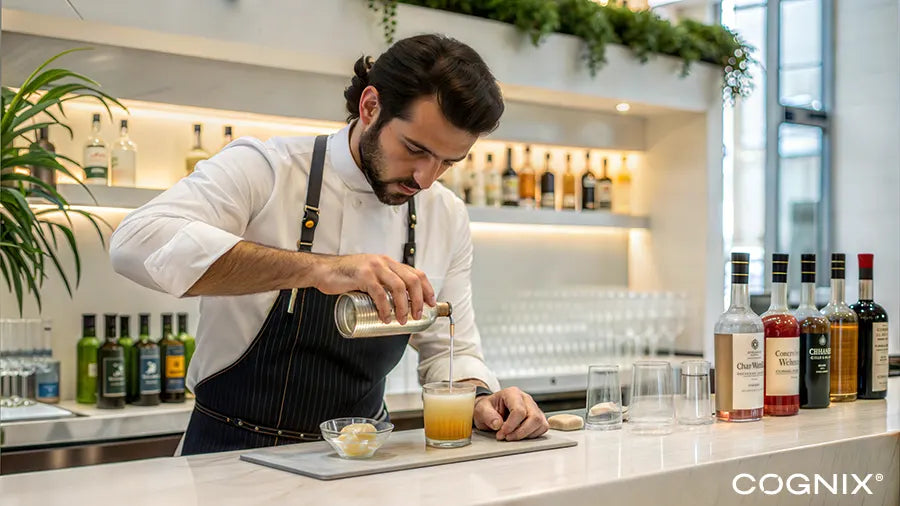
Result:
[[879, 477]]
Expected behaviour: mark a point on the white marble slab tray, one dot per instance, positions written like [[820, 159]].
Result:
[[404, 450]]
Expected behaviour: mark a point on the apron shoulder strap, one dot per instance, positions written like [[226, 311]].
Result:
[[313, 190], [409, 249]]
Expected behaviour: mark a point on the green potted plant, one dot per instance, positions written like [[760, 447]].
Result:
[[29, 235]]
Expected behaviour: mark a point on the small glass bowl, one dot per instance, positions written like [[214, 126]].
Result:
[[359, 445]]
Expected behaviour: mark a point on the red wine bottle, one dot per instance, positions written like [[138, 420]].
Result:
[[872, 357]]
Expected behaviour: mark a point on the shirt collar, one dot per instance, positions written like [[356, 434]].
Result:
[[342, 161]]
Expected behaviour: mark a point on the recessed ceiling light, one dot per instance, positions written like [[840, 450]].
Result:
[[623, 107]]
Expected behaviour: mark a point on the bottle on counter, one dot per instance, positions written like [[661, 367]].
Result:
[[740, 341], [872, 353], [127, 344], [782, 335], [187, 339], [604, 188], [123, 161], [88, 345], [510, 182], [147, 364], [622, 188], [197, 153], [47, 369], [588, 186], [111, 368], [527, 182], [568, 197], [548, 187], [844, 336], [815, 341], [96, 157], [45, 174], [171, 352], [493, 183]]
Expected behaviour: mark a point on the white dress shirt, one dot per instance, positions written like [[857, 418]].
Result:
[[255, 191]]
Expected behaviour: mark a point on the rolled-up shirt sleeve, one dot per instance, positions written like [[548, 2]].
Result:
[[433, 345], [170, 242]]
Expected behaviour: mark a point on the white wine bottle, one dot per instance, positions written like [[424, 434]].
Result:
[[124, 158], [197, 153]]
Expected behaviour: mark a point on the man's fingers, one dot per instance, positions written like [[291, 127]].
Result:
[[532, 423], [398, 291], [379, 296], [427, 290], [413, 288], [515, 404], [486, 417]]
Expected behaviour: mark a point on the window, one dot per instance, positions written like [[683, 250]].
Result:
[[777, 165]]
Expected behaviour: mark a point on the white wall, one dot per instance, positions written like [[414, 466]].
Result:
[[866, 173]]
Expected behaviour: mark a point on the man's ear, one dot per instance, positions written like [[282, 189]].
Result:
[[369, 106]]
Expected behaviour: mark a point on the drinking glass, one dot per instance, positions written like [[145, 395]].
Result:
[[604, 398], [694, 402], [448, 413], [652, 407]]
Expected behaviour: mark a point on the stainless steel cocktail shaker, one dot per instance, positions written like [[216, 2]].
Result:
[[355, 315]]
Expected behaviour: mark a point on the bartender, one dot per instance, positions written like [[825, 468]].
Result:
[[268, 233]]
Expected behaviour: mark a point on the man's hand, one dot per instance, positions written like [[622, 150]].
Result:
[[512, 413], [377, 275]]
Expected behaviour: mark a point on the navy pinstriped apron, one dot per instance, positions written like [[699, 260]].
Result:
[[298, 371]]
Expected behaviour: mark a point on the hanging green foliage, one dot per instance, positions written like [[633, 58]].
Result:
[[642, 31]]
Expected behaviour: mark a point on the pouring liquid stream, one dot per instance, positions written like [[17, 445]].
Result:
[[452, 331]]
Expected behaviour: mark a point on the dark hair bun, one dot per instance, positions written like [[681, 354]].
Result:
[[358, 83]]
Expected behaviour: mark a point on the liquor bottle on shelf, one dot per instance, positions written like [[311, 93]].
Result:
[[86, 384], [622, 188], [96, 158], [171, 352], [227, 138], [475, 190], [128, 349], [844, 336], [510, 182], [493, 182], [47, 371], [147, 365], [45, 174], [815, 341], [527, 182], [124, 159], [588, 185], [568, 199], [187, 339], [604, 188], [782, 332], [739, 352], [872, 353], [111, 368], [548, 190], [197, 153]]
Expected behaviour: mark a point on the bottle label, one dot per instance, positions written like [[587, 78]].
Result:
[[879, 356], [818, 353], [783, 365], [740, 371], [149, 370], [511, 189], [174, 368], [113, 384], [92, 370], [604, 195], [46, 391], [122, 165], [548, 200], [568, 201], [96, 162], [588, 183]]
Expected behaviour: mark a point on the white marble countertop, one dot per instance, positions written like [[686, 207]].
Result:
[[689, 466]]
